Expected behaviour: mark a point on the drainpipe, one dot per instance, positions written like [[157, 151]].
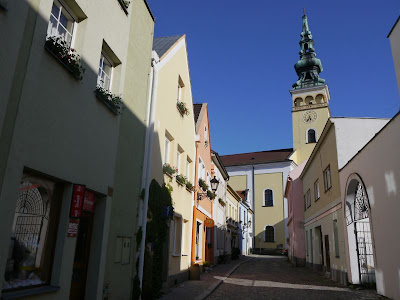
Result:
[[252, 207], [147, 160]]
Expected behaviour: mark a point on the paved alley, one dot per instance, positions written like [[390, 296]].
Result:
[[272, 277]]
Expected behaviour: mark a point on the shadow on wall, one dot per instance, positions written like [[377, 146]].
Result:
[[278, 243], [57, 106]]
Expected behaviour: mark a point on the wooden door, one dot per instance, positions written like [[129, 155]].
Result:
[[81, 259], [327, 254]]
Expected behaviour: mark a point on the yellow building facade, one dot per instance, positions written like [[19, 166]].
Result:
[[264, 175], [174, 145]]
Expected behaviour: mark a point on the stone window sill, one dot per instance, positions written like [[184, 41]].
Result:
[[21, 294]]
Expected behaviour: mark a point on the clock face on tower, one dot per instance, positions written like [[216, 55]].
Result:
[[309, 116]]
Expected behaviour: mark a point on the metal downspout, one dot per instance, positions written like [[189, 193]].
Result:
[[147, 165]]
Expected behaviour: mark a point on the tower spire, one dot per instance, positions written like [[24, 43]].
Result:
[[309, 66]]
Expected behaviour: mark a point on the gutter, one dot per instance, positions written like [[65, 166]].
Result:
[[147, 160]]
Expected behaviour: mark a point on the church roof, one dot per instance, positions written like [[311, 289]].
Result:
[[254, 158]]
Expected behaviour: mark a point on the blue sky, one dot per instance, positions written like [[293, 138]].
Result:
[[241, 56]]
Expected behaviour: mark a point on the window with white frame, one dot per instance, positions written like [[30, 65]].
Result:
[[311, 136], [187, 168], [327, 178], [178, 160], [166, 150], [199, 240], [308, 197], [105, 72], [180, 89], [61, 23], [269, 234], [268, 198], [205, 137], [316, 190], [177, 246]]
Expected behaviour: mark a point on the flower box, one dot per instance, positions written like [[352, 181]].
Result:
[[124, 4], [113, 102], [65, 55], [180, 179], [169, 170], [210, 195], [189, 186], [203, 184], [182, 108]]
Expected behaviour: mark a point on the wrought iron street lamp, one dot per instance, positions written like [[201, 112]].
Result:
[[214, 186]]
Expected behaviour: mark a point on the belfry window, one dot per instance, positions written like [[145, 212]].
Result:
[[311, 136]]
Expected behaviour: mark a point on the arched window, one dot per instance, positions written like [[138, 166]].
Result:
[[269, 234], [311, 136], [268, 198]]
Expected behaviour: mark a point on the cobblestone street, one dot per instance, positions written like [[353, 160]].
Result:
[[272, 277]]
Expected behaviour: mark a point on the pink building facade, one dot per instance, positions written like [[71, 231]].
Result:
[[294, 194]]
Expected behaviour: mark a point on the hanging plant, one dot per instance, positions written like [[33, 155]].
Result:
[[113, 102], [180, 179], [66, 55], [189, 186], [203, 184], [183, 110], [210, 195], [169, 170]]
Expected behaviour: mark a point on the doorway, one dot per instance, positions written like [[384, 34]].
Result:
[[327, 254], [359, 234], [81, 259]]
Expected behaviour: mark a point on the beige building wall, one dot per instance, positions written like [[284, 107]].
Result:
[[238, 183], [320, 216], [180, 131], [54, 126], [274, 215], [382, 193]]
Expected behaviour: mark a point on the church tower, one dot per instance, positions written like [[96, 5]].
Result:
[[310, 99]]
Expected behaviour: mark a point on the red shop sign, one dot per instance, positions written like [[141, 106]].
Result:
[[73, 227], [88, 201], [77, 200]]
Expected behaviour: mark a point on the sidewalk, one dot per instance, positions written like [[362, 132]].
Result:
[[200, 289]]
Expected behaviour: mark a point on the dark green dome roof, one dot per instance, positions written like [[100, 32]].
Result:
[[309, 66]]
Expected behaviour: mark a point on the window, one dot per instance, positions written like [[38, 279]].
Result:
[[327, 178], [187, 168], [268, 198], [336, 237], [311, 136], [61, 23], [205, 137], [176, 251], [316, 190], [105, 72], [180, 88], [33, 234], [269, 234], [308, 198], [199, 240], [202, 170], [307, 246], [166, 149], [178, 161]]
